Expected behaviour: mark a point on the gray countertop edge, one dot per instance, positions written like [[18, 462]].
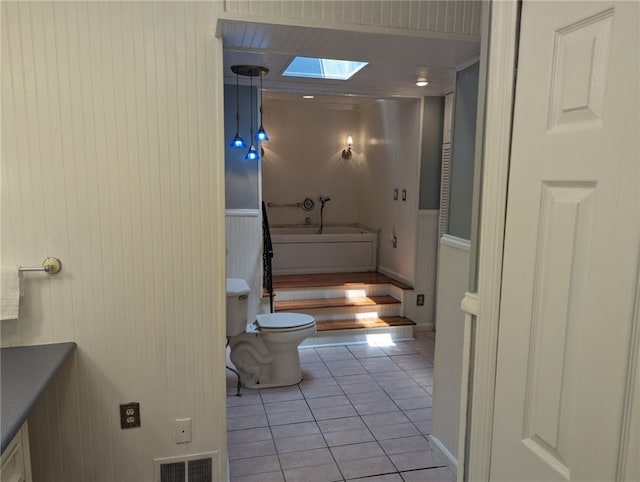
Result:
[[26, 373]]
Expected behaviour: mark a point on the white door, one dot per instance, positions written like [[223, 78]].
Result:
[[571, 245]]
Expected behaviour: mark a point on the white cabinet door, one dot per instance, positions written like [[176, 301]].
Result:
[[571, 245]]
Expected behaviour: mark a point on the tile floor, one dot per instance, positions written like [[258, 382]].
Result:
[[360, 413]]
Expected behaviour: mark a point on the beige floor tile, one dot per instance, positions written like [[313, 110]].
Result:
[[418, 414], [306, 458], [395, 383], [338, 424], [295, 429], [286, 406], [339, 411], [366, 351], [351, 379], [429, 475], [381, 419], [245, 411], [239, 423], [332, 401], [326, 391], [365, 467], [247, 398], [315, 473], [405, 445], [379, 478], [414, 402], [375, 396], [424, 426], [263, 477], [300, 443], [410, 392], [346, 370], [347, 437], [416, 460], [371, 408], [251, 449], [248, 435], [400, 430], [281, 394], [285, 418], [357, 451], [254, 465], [361, 387]]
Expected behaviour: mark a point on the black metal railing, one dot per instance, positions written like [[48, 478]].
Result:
[[267, 254]]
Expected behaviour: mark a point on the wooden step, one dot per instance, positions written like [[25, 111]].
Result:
[[363, 323], [301, 305], [292, 281]]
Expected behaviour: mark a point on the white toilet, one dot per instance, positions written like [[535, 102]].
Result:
[[264, 352]]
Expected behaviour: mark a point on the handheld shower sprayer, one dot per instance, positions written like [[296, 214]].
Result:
[[323, 200]]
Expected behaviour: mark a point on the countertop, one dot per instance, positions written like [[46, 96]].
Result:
[[26, 372]]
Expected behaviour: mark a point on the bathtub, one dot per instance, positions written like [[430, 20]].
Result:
[[301, 249]]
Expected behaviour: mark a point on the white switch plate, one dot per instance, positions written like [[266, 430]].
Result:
[[183, 430]]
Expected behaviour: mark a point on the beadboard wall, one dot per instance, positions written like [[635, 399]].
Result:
[[459, 18], [303, 159], [243, 229], [112, 161], [425, 271]]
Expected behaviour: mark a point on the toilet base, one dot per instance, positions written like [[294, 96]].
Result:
[[265, 361]]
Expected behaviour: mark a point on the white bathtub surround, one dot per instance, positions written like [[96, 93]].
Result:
[[300, 249], [453, 276]]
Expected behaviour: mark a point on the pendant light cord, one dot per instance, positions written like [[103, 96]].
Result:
[[251, 98], [237, 105]]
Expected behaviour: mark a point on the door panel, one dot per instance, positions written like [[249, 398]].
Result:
[[571, 245]]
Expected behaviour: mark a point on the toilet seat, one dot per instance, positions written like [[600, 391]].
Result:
[[274, 322]]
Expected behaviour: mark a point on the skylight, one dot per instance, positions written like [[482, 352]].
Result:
[[323, 68]]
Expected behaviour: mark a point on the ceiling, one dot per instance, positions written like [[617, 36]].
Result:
[[395, 61]]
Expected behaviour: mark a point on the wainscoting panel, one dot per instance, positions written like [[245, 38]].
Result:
[[244, 252], [453, 276], [425, 271]]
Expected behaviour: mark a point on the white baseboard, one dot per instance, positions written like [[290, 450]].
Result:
[[447, 456], [396, 276]]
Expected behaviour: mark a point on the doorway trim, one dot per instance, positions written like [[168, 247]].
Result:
[[485, 312]]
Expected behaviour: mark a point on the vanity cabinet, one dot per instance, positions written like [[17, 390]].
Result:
[[16, 458]]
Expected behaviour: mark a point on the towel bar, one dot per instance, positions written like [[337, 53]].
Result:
[[49, 265]]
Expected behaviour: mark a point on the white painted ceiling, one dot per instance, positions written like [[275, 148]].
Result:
[[395, 61]]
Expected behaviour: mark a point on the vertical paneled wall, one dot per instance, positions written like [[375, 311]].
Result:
[[303, 159], [390, 130], [244, 252], [112, 160], [461, 18]]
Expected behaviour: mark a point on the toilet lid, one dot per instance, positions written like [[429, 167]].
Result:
[[284, 320]]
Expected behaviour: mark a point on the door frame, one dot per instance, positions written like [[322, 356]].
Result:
[[483, 308]]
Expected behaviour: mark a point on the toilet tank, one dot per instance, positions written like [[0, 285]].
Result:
[[237, 306]]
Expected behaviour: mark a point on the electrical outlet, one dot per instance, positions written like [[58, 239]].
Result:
[[130, 415], [183, 430], [420, 300]]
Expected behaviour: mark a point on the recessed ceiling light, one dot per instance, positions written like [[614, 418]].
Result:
[[308, 96], [422, 82]]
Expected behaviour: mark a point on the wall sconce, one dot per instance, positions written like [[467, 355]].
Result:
[[346, 153], [250, 71]]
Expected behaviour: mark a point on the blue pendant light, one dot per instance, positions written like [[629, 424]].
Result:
[[252, 154], [261, 135], [237, 140]]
